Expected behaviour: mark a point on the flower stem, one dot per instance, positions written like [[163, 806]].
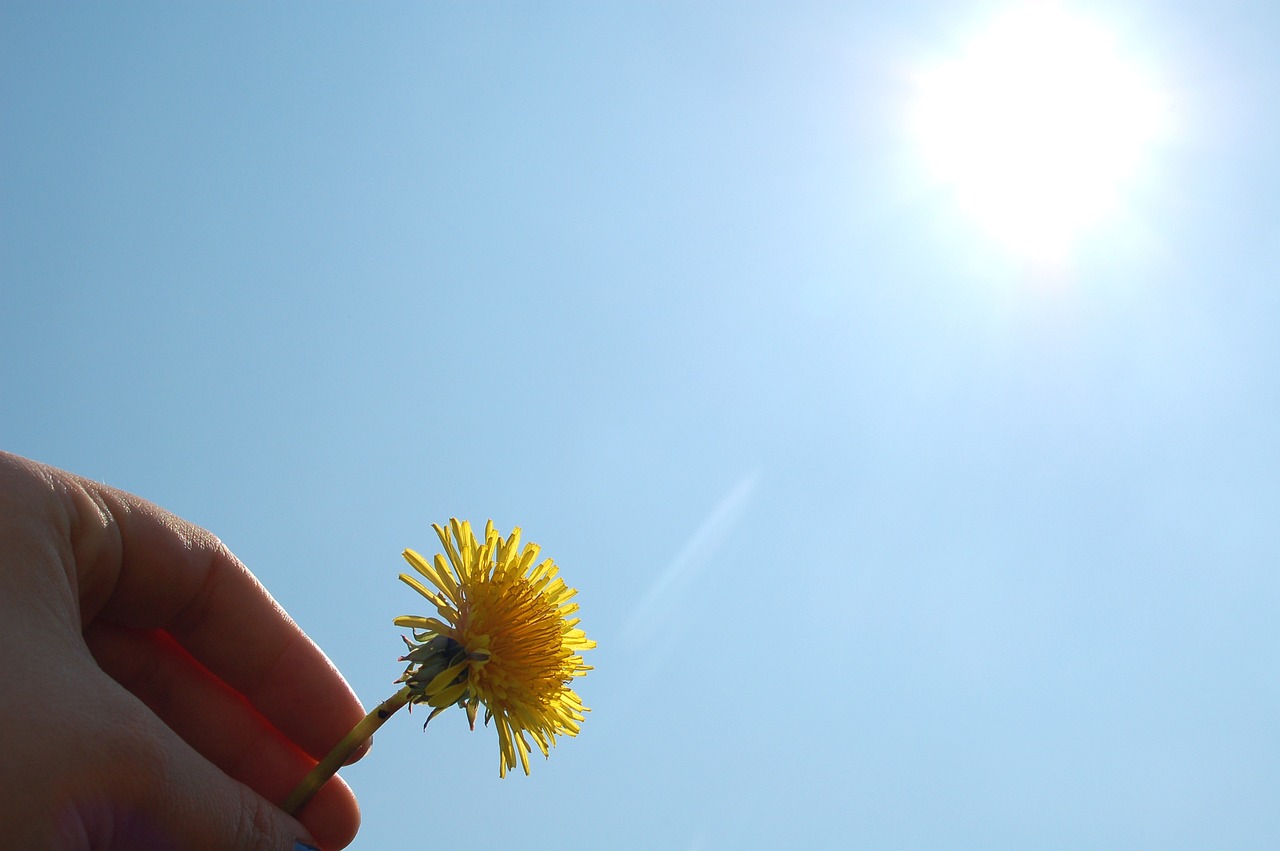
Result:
[[329, 766]]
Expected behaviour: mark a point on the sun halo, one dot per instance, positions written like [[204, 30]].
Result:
[[1036, 126]]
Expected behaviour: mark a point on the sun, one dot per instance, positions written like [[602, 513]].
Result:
[[1036, 126]]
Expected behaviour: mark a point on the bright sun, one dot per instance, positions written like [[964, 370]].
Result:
[[1036, 125]]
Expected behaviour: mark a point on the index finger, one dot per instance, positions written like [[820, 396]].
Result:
[[148, 569]]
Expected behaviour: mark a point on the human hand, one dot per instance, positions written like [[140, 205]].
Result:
[[152, 693]]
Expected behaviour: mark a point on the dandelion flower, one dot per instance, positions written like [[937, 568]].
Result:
[[504, 637]]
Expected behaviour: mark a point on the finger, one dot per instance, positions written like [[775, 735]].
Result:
[[152, 570], [220, 724]]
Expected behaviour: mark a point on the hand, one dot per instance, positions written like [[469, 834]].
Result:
[[152, 693]]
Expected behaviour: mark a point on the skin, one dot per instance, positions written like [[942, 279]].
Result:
[[152, 693]]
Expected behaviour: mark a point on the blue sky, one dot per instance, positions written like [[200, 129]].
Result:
[[890, 536]]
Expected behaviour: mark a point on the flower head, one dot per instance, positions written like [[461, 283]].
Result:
[[504, 638]]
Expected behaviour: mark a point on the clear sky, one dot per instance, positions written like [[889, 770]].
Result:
[[917, 500]]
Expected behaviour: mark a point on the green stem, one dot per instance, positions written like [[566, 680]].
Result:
[[337, 757]]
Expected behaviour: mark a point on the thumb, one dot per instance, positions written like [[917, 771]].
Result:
[[226, 820], [140, 786]]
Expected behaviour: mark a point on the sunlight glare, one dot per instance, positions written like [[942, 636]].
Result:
[[1036, 126]]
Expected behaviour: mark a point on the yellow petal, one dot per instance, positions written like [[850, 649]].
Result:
[[448, 696], [444, 678]]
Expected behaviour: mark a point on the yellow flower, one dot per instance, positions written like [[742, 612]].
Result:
[[504, 638]]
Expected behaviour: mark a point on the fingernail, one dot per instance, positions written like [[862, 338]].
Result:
[[302, 846]]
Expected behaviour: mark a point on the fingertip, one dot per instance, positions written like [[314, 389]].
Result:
[[332, 815], [360, 752]]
